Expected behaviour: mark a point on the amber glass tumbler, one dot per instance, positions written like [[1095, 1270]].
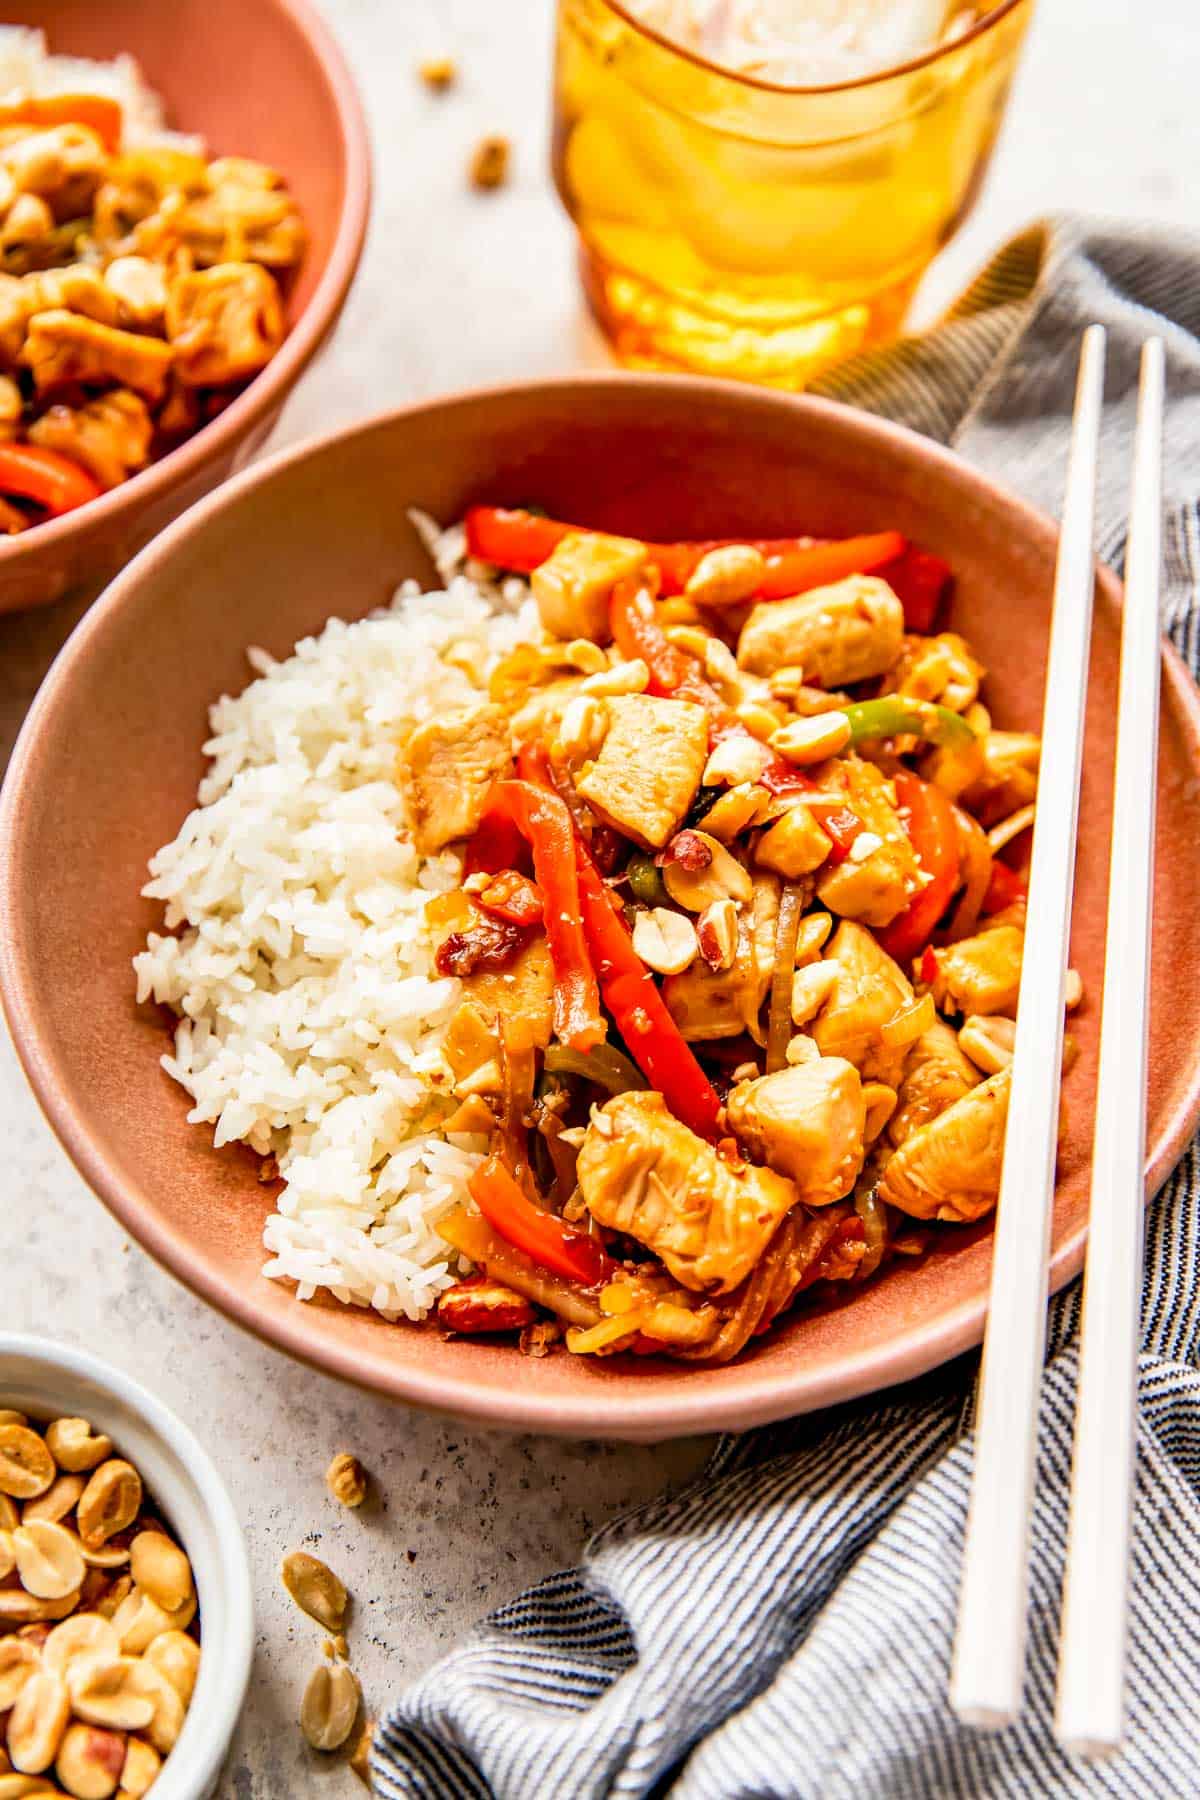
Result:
[[737, 227]]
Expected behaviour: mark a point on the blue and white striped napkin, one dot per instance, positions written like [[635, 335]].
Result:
[[783, 1626]]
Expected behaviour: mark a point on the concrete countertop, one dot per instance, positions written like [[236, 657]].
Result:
[[459, 288]]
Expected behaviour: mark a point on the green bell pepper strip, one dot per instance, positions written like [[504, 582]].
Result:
[[895, 715]]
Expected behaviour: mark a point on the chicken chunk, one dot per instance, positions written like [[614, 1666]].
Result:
[[794, 845], [246, 216], [942, 668], [879, 877], [710, 1003], [870, 990], [837, 635], [572, 587], [77, 289], [980, 974], [649, 767], [936, 1074], [523, 989], [950, 1168], [224, 323], [1008, 779], [63, 347], [445, 768], [807, 1122], [63, 165], [708, 1220], [110, 435]]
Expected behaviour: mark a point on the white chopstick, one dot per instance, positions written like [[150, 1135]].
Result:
[[989, 1650], [1091, 1670]]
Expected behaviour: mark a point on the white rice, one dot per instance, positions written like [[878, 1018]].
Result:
[[28, 70], [296, 955]]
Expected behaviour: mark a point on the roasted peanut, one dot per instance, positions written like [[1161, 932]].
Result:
[[330, 1706], [10, 1518], [726, 576], [346, 1479], [20, 1608], [665, 940], [176, 1656], [48, 1560], [90, 1761], [85, 1634], [315, 1589], [24, 1787], [108, 1690], [9, 1416], [75, 1447], [142, 1765], [58, 1500], [37, 1722], [109, 1604], [161, 1570], [26, 1466], [169, 1711], [110, 1501], [479, 1305], [139, 1620], [737, 758], [438, 72], [360, 1754], [8, 1554], [19, 1660], [717, 934], [489, 164], [812, 739], [811, 988]]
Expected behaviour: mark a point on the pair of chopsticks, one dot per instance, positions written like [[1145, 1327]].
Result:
[[989, 1651]]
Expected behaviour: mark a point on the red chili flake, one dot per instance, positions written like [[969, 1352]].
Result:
[[487, 944]]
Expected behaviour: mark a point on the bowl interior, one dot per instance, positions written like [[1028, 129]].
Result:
[[282, 112], [110, 759], [49, 1381]]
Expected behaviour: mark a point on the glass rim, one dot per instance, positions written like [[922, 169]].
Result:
[[924, 60]]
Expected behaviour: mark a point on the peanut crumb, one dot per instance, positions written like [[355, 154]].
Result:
[[360, 1754], [438, 72], [489, 164], [346, 1479]]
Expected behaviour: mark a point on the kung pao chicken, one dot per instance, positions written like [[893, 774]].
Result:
[[139, 291], [739, 933]]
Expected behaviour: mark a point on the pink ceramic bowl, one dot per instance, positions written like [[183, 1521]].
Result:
[[290, 101], [108, 762]]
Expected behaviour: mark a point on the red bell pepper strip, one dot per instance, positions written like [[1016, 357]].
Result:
[[929, 820], [651, 1035], [542, 818], [797, 570], [514, 539], [919, 581], [96, 111], [1005, 887], [53, 481], [543, 1236], [497, 844]]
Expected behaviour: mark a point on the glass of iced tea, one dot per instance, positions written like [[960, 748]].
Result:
[[739, 224]]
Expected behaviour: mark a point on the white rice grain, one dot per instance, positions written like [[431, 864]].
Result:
[[296, 957]]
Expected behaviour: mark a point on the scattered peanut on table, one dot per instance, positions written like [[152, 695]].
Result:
[[97, 1664], [346, 1479]]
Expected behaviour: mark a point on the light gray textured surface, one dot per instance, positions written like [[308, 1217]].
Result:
[[456, 289]]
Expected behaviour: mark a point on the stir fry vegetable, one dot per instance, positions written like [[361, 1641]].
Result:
[[739, 957]]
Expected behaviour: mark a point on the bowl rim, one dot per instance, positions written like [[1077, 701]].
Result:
[[264, 395], [237, 1651], [672, 1412]]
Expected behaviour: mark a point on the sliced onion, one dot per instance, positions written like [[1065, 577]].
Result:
[[603, 1064], [910, 1023], [779, 1017]]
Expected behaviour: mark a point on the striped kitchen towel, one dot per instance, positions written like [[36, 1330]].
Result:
[[783, 1626]]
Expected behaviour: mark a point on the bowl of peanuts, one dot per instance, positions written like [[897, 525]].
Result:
[[121, 1563]]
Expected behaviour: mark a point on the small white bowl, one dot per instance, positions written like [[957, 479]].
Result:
[[48, 1380]]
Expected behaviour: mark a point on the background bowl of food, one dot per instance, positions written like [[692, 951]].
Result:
[[287, 978], [127, 1625], [174, 248]]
